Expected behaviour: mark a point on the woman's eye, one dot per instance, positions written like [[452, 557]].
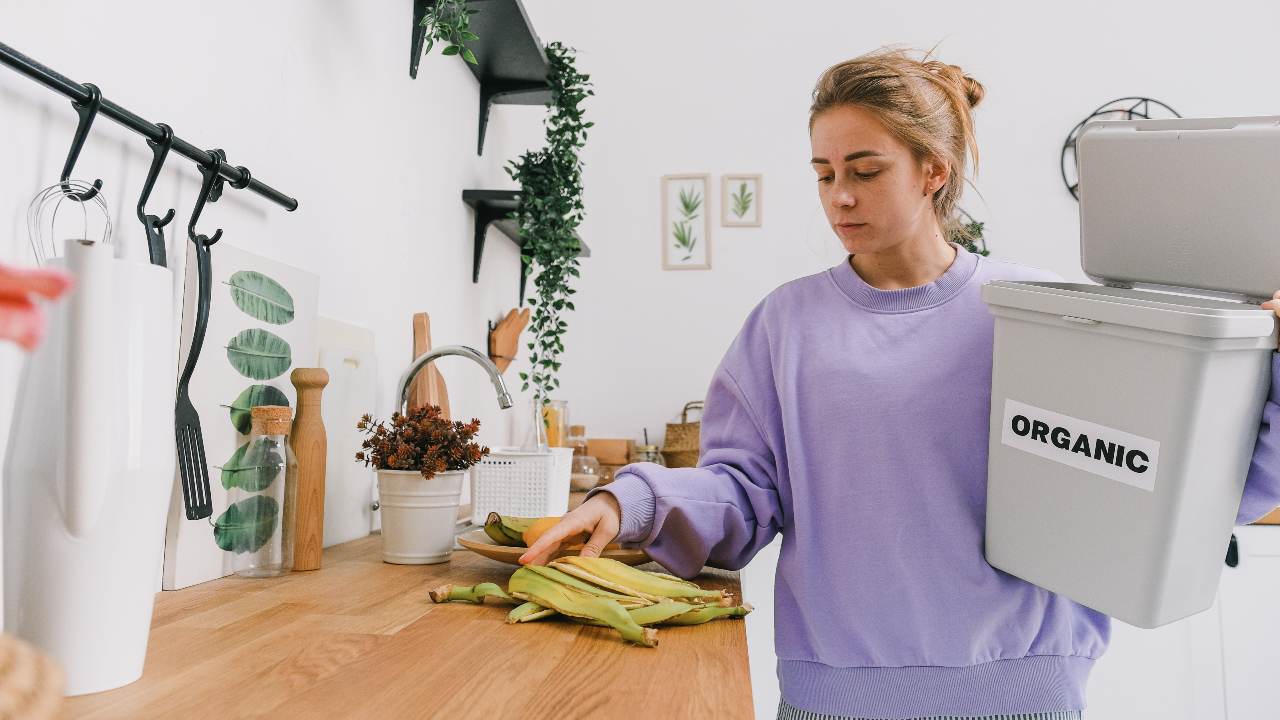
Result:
[[867, 176], [824, 179]]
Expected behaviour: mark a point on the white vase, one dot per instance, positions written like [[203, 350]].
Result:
[[89, 472], [418, 515]]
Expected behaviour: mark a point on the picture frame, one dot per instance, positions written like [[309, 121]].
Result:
[[686, 222], [741, 198]]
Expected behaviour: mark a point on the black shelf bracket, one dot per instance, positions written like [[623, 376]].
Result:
[[498, 91], [494, 207], [511, 65]]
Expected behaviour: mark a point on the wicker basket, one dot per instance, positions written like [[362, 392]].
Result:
[[524, 484], [680, 447]]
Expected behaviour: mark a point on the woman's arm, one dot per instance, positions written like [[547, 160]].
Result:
[[720, 513], [1262, 484]]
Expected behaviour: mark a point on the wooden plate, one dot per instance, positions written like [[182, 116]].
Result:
[[481, 544]]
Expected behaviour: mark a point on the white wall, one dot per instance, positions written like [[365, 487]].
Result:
[[314, 97]]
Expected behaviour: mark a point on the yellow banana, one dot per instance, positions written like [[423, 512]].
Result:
[[528, 612], [475, 594], [623, 578], [529, 585], [626, 601]]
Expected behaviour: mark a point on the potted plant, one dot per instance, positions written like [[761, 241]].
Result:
[[421, 459], [550, 209]]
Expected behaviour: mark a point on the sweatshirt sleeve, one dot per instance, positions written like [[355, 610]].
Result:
[[720, 513], [1262, 484]]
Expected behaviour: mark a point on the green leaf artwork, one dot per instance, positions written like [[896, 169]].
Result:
[[252, 397], [247, 525], [259, 354], [261, 297], [742, 201], [253, 466], [690, 201], [685, 239]]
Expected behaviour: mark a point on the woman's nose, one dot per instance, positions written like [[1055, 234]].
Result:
[[842, 196]]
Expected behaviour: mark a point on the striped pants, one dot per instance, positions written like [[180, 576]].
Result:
[[788, 712]]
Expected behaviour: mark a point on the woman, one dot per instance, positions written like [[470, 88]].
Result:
[[851, 414]]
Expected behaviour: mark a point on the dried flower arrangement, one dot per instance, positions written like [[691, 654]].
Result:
[[422, 441]]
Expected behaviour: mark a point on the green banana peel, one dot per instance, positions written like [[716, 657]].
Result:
[[528, 585]]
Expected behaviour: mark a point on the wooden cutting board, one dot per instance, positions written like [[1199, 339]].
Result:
[[428, 388]]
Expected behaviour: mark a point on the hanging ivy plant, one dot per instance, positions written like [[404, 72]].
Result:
[[549, 210], [967, 232], [446, 21]]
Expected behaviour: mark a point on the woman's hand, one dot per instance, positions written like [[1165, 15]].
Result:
[[20, 318], [1273, 304], [600, 516]]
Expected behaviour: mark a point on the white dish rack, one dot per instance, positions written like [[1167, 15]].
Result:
[[525, 484]]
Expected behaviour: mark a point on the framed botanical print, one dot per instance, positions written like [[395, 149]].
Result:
[[686, 223], [740, 200]]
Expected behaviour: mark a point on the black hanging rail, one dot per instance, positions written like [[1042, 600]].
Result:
[[238, 176]]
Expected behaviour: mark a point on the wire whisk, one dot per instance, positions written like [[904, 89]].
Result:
[[42, 217]]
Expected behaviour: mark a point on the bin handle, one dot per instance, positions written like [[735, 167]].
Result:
[[684, 414]]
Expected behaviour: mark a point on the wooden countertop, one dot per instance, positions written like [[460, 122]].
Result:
[[361, 638]]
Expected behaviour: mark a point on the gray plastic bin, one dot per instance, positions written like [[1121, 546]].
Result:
[[1123, 418]]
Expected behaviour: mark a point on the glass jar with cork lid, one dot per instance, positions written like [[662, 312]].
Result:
[[261, 480]]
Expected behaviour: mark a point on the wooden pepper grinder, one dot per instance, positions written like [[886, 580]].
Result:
[[310, 446]]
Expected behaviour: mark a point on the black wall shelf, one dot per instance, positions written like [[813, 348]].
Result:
[[494, 207], [511, 63]]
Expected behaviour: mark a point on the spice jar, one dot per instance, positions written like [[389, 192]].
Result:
[[648, 453], [261, 479]]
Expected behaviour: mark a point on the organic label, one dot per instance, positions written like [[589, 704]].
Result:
[[1098, 449]]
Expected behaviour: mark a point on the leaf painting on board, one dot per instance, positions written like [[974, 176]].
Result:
[[261, 297], [682, 230], [742, 201], [253, 396], [253, 466], [247, 525], [259, 354]]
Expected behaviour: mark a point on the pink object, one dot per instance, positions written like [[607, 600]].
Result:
[[20, 318]]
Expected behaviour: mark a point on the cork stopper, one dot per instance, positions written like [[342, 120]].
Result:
[[271, 419]]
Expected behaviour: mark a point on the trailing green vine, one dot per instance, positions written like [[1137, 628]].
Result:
[[447, 21], [549, 210]]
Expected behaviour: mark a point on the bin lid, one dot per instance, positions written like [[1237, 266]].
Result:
[[1161, 311], [1182, 202]]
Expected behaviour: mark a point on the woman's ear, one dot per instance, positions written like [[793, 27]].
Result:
[[936, 173]]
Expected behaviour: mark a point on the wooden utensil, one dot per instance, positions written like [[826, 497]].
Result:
[[481, 544], [428, 388], [505, 337], [311, 448]]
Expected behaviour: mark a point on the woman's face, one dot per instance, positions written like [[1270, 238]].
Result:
[[872, 189]]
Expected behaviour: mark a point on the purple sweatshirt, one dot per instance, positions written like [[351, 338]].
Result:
[[854, 421]]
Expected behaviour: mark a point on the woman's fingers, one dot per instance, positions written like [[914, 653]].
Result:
[[21, 322], [540, 551], [45, 282], [599, 538]]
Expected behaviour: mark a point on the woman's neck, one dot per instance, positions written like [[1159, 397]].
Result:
[[907, 264]]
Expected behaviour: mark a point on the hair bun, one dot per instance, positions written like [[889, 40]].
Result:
[[973, 90]]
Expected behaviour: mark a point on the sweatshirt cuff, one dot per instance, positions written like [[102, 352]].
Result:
[[636, 500]]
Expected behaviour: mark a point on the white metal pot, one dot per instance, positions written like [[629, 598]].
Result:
[[418, 515]]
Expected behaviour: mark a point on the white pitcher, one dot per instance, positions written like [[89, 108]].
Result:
[[89, 471]]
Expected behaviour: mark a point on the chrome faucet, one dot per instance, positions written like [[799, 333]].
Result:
[[402, 394]]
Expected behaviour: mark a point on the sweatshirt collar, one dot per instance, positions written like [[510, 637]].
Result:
[[906, 299]]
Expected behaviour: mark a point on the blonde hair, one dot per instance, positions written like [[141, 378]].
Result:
[[924, 103]]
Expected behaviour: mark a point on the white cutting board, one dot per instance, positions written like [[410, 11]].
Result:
[[347, 353]]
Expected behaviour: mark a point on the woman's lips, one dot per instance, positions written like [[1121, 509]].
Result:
[[850, 226]]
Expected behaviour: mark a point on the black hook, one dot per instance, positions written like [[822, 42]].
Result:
[[159, 151], [210, 190], [87, 113]]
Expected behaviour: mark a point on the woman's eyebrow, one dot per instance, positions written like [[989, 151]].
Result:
[[847, 158]]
